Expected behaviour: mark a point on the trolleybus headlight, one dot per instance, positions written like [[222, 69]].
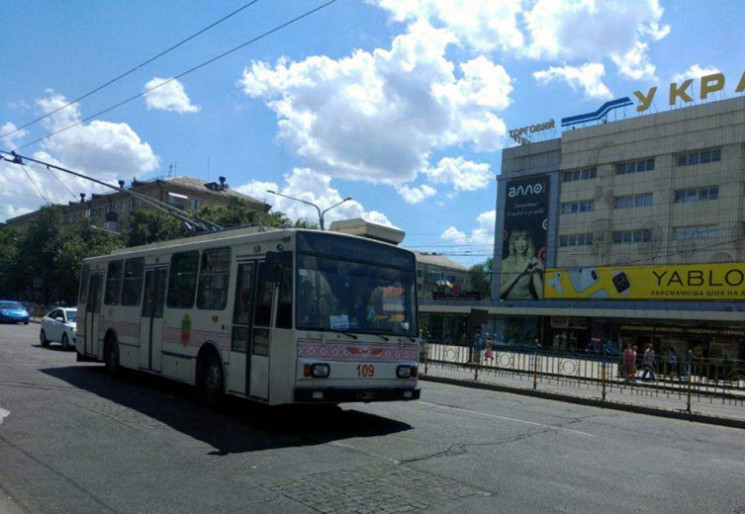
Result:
[[405, 371], [317, 370]]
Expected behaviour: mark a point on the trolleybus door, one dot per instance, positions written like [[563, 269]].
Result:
[[249, 345], [92, 313], [243, 315], [151, 322], [261, 334]]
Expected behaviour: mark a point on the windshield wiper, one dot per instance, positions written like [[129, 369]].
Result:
[[350, 335], [380, 335]]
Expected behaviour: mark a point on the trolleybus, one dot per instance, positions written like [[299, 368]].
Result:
[[280, 317]]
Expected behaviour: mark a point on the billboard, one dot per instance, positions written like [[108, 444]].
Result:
[[524, 238], [723, 282]]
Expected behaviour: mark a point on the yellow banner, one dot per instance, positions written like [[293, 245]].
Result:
[[723, 282]]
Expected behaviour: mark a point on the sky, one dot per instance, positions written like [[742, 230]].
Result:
[[403, 105]]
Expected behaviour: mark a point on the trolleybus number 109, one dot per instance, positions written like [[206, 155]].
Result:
[[365, 370]]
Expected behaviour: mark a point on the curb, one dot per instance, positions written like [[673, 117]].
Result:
[[649, 411]]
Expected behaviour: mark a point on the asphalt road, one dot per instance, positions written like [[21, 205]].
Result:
[[73, 440]]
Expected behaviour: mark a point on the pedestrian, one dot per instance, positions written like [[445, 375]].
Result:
[[672, 364], [648, 363], [629, 364], [489, 353]]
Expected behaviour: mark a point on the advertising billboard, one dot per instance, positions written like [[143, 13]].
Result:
[[524, 238], [723, 282]]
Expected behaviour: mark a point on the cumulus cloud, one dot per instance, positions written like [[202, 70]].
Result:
[[462, 174], [484, 26], [168, 95], [481, 237], [591, 30], [414, 195], [99, 149], [587, 79], [312, 187], [566, 30], [378, 116], [694, 72], [9, 134]]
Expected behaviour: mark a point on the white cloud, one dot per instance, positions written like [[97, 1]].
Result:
[[587, 79], [9, 134], [313, 187], [454, 235], [378, 116], [566, 30], [481, 237], [590, 30], [99, 149], [169, 96], [464, 175], [694, 72], [414, 195], [482, 25]]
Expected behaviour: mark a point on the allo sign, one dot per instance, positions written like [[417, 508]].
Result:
[[709, 84]]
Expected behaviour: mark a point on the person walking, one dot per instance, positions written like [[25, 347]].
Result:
[[629, 364], [648, 363]]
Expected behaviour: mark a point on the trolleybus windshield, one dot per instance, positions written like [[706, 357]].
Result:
[[353, 285]]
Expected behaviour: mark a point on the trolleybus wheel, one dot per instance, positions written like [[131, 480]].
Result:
[[211, 380], [111, 357]]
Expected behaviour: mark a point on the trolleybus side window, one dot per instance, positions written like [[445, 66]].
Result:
[[114, 276], [242, 308], [214, 277], [182, 281], [134, 271]]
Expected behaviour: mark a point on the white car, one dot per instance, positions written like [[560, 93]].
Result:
[[59, 326]]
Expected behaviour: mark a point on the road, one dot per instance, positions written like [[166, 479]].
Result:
[[73, 440]]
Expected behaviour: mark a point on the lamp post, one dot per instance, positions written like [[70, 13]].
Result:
[[320, 212]]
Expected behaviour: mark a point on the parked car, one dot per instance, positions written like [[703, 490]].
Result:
[[13, 312], [59, 326]]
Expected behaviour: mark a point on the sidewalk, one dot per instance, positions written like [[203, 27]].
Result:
[[652, 398]]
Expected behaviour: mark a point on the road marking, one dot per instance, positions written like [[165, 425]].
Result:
[[4, 413], [505, 418]]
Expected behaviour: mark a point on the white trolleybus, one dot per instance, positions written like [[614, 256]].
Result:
[[280, 317]]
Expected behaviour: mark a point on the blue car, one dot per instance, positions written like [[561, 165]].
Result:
[[13, 312]]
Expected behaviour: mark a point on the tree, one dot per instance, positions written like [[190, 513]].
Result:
[[479, 278], [9, 272], [50, 253], [151, 226], [238, 213]]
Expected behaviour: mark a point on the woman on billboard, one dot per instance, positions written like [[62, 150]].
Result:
[[522, 271]]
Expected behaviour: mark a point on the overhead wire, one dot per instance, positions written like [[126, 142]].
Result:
[[191, 70], [129, 72]]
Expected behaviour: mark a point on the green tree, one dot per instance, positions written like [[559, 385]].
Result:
[[479, 278], [9, 264], [151, 226], [80, 242], [238, 213]]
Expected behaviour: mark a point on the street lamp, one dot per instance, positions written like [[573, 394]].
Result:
[[320, 212]]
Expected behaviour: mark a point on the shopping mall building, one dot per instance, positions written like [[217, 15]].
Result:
[[629, 231]]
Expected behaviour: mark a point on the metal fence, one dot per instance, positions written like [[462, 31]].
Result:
[[700, 380]]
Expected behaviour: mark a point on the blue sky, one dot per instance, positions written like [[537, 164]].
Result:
[[404, 105]]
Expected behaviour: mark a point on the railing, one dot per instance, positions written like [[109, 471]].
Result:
[[697, 380]]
